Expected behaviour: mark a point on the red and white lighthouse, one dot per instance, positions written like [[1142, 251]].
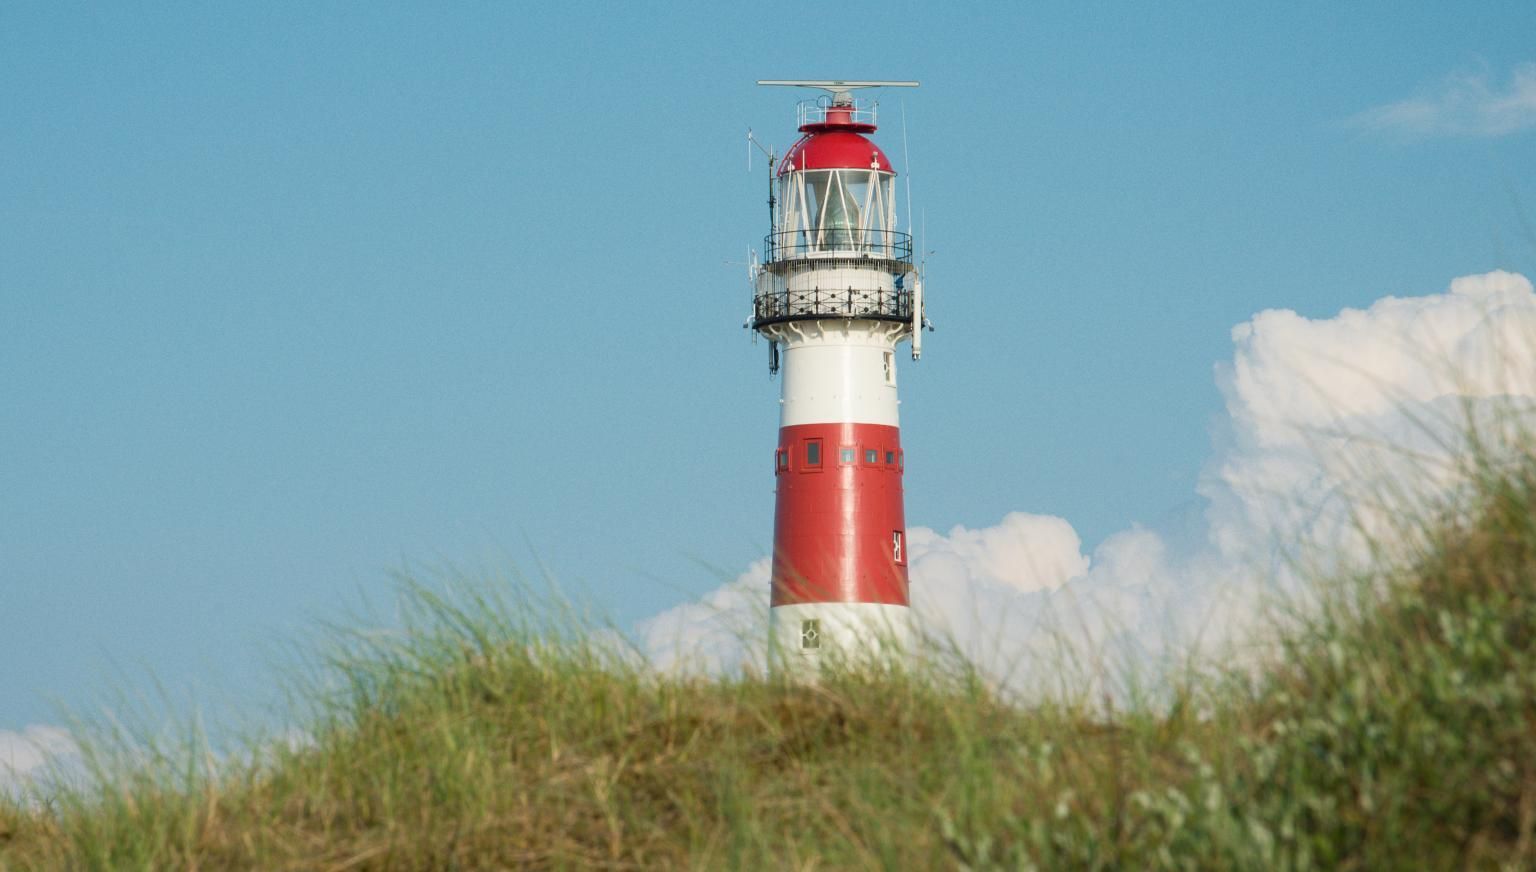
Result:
[[835, 294]]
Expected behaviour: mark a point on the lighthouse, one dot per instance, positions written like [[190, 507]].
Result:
[[835, 293]]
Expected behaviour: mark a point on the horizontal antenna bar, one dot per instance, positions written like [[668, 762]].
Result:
[[835, 84]]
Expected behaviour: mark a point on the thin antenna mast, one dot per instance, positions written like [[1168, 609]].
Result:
[[773, 160], [923, 240], [917, 285], [906, 159]]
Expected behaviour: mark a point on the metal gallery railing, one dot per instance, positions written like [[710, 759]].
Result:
[[817, 111], [789, 245], [771, 307]]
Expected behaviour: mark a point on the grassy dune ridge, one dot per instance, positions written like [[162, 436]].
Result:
[[1394, 728]]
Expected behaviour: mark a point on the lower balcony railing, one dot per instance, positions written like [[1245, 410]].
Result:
[[771, 307]]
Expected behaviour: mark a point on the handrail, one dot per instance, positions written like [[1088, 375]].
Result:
[[815, 111], [796, 244], [772, 307]]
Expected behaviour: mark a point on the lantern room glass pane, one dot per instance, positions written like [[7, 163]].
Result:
[[856, 189], [835, 216], [849, 209]]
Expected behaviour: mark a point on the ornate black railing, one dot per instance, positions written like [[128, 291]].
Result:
[[787, 245], [772, 307]]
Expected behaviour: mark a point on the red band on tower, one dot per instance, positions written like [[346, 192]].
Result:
[[839, 534]]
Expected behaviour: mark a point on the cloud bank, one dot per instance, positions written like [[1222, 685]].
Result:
[[1331, 426], [1463, 104]]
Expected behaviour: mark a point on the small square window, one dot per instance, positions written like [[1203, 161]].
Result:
[[847, 455], [890, 458], [813, 452], [871, 456]]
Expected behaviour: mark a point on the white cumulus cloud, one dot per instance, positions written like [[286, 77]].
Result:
[[25, 755], [1463, 104], [1023, 552], [720, 632], [1324, 420]]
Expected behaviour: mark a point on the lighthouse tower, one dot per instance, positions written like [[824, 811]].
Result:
[[834, 295]]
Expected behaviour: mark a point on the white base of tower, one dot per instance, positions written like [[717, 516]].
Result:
[[843, 634]]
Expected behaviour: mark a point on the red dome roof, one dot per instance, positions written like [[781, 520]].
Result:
[[834, 150]]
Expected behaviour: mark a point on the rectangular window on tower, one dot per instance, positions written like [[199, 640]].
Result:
[[871, 456], [847, 455], [897, 553], [890, 368], [812, 455], [781, 461], [890, 458]]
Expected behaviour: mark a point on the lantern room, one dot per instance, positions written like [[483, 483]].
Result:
[[836, 190]]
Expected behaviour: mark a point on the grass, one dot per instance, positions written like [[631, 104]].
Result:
[[1394, 728]]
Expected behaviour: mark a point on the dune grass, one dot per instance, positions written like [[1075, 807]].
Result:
[[1395, 728]]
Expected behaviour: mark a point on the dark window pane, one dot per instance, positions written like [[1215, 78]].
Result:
[[813, 453], [890, 458], [871, 455], [847, 455]]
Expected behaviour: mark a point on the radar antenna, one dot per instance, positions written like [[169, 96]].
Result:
[[839, 89]]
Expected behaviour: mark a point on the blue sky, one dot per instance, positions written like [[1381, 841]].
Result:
[[295, 295]]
